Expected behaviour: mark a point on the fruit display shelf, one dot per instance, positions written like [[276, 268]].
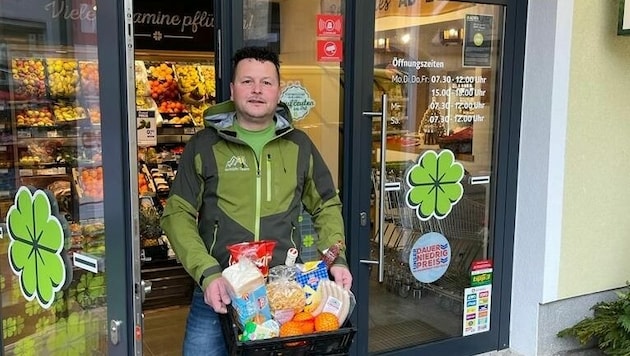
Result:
[[29, 78], [36, 78], [88, 71], [179, 89], [49, 114], [63, 77]]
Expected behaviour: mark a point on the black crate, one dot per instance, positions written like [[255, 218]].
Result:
[[320, 343]]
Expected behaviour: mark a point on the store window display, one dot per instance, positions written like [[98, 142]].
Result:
[[51, 183]]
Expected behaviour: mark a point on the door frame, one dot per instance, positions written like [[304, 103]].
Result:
[[358, 47], [113, 61]]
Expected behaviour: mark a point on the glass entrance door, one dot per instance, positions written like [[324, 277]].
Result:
[[61, 171], [435, 91]]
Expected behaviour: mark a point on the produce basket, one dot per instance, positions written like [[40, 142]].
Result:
[[320, 343]]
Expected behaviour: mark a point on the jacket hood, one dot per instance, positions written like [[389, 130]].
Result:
[[222, 115]]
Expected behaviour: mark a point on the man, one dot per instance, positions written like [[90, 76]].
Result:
[[246, 177]]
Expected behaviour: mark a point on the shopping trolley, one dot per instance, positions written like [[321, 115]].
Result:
[[463, 228]]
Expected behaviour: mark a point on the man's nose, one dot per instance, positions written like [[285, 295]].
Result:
[[257, 87]]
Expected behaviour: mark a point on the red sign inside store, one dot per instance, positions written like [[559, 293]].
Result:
[[481, 264], [329, 25], [329, 51]]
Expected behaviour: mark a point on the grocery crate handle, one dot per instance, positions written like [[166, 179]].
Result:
[[381, 202]]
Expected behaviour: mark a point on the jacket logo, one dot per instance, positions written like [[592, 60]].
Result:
[[236, 163]]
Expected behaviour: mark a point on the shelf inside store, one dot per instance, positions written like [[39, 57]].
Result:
[[174, 130], [176, 134]]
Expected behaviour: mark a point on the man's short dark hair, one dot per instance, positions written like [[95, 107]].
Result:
[[261, 54]]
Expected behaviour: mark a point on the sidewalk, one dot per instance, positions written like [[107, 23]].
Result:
[[508, 352]]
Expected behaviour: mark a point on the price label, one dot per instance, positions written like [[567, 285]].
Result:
[[147, 133], [24, 134], [52, 133], [189, 130], [3, 148]]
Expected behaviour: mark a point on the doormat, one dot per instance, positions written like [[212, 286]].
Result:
[[404, 334]]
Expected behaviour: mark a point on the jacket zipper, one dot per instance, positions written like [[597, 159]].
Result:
[[292, 234], [258, 201], [268, 177], [214, 237]]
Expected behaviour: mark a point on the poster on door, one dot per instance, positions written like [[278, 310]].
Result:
[[477, 51], [476, 317]]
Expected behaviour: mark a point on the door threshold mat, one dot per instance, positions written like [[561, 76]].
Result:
[[400, 335]]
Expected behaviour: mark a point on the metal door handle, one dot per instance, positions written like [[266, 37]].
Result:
[[114, 331], [381, 201], [145, 288]]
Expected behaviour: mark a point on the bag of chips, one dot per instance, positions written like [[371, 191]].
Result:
[[260, 252]]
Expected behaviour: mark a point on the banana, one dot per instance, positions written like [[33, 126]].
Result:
[[313, 300]]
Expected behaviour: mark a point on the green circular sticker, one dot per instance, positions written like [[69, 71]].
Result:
[[478, 39]]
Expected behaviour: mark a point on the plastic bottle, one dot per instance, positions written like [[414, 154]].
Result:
[[292, 254]]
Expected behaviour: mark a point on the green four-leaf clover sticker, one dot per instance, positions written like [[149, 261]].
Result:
[[37, 240], [434, 184], [308, 240]]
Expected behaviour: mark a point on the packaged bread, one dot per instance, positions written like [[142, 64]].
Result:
[[249, 294]]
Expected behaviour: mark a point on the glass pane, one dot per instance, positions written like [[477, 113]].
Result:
[[311, 75], [438, 64], [51, 189], [175, 83], [173, 89]]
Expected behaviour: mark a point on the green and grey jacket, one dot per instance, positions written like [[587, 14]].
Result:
[[222, 194]]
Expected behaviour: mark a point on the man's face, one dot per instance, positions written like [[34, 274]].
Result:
[[255, 91]]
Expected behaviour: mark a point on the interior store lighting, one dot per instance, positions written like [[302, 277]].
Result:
[[452, 36], [381, 43]]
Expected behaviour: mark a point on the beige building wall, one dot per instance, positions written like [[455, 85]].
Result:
[[596, 220]]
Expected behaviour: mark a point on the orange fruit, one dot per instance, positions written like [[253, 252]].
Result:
[[326, 322], [303, 316], [291, 328], [307, 326]]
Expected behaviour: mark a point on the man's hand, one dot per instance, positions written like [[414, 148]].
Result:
[[342, 276], [216, 295]]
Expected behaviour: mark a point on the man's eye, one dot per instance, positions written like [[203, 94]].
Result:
[[267, 83], [246, 81]]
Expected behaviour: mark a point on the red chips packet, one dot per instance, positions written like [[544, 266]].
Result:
[[260, 252]]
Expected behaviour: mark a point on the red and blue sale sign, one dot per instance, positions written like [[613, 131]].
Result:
[[430, 257]]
